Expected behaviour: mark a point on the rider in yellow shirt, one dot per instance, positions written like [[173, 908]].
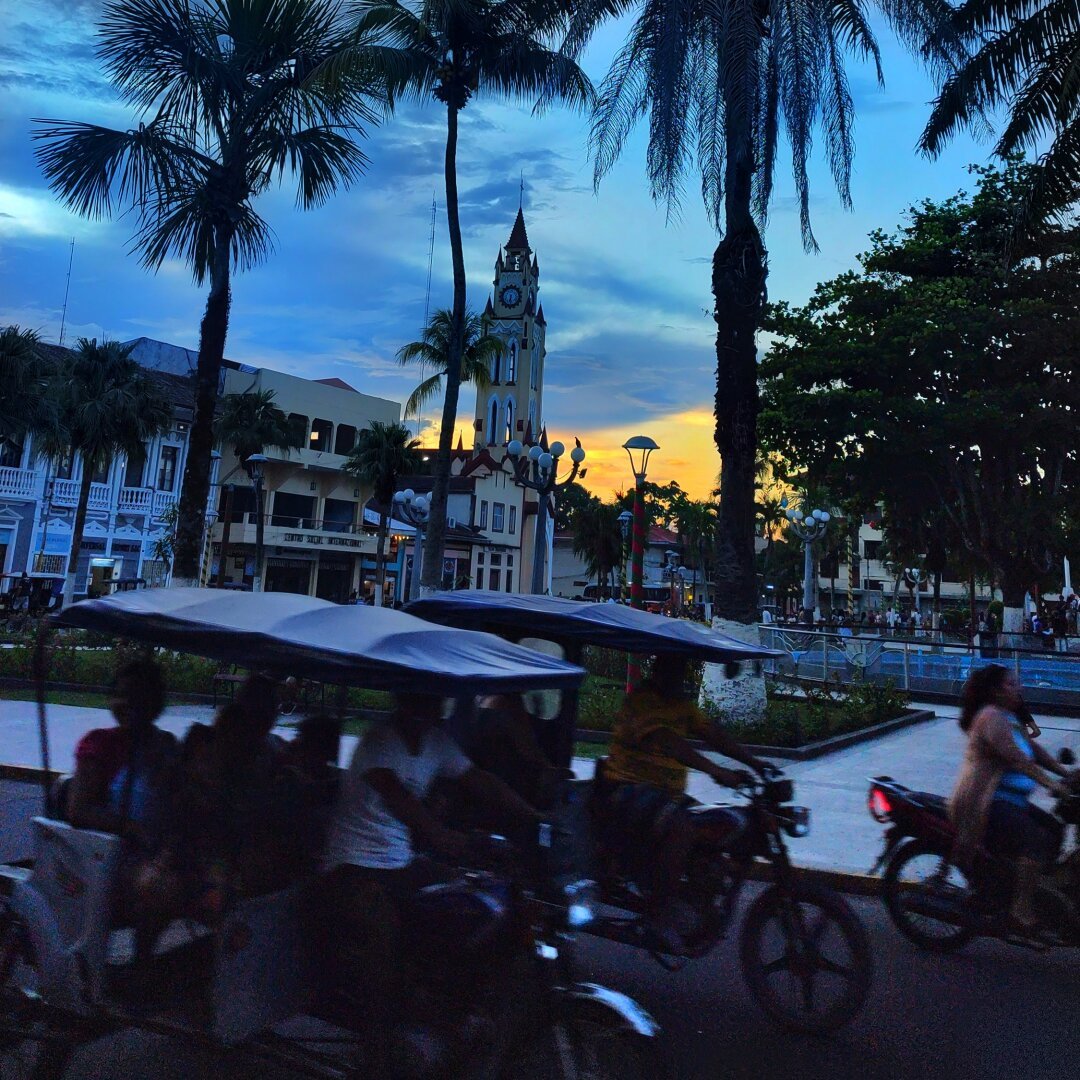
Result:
[[641, 786]]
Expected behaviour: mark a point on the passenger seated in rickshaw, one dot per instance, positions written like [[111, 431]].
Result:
[[505, 744], [381, 825], [239, 822], [121, 772], [640, 792], [311, 757]]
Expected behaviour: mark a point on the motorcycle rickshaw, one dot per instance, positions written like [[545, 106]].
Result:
[[29, 596], [251, 986], [804, 954]]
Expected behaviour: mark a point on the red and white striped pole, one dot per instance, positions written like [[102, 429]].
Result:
[[646, 446]]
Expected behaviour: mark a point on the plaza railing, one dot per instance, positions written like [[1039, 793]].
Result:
[[934, 663]]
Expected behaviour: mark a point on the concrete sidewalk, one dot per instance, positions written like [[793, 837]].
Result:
[[842, 836]]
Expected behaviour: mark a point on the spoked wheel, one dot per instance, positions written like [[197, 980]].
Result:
[[29, 1050], [922, 890], [806, 958]]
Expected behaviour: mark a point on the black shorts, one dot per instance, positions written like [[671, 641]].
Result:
[[1022, 832], [636, 818]]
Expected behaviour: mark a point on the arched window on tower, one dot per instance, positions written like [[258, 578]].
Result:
[[534, 364], [509, 420], [511, 363], [493, 421], [496, 368], [532, 417]]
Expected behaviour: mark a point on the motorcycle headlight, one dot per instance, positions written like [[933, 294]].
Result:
[[581, 899], [796, 820]]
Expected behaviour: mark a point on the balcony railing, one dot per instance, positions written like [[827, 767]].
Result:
[[162, 501], [66, 493], [291, 521], [18, 482], [135, 500]]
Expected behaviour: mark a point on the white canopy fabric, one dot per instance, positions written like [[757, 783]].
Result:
[[612, 626], [355, 645]]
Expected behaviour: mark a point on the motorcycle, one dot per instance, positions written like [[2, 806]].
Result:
[[941, 907], [804, 954]]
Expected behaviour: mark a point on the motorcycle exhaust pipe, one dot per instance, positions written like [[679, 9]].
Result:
[[942, 908]]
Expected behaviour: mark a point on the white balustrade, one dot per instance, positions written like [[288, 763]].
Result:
[[18, 482], [65, 493], [162, 501], [136, 500], [100, 497]]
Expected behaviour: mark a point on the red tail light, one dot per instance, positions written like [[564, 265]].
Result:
[[879, 805]]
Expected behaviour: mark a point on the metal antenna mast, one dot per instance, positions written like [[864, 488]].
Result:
[[67, 290]]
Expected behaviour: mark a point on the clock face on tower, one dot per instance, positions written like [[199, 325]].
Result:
[[510, 295]]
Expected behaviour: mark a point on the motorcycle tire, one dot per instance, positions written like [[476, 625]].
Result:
[[587, 1051], [849, 974], [950, 938]]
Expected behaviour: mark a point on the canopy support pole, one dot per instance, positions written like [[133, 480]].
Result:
[[39, 673]]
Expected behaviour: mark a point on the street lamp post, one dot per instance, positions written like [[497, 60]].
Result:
[[537, 468], [808, 527], [255, 464], [414, 510], [642, 446], [673, 573], [914, 576], [626, 519]]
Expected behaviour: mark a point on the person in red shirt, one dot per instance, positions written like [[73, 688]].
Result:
[[118, 770]]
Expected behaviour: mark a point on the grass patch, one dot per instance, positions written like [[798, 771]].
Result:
[[88, 699]]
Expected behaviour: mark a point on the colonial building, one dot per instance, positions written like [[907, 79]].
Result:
[[131, 499]]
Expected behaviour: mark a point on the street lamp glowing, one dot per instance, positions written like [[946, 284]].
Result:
[[643, 446]]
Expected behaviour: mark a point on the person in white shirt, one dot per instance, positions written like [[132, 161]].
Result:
[[375, 857]]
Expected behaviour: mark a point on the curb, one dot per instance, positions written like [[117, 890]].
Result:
[[843, 881], [811, 750]]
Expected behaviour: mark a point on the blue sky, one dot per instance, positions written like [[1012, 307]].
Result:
[[625, 291]]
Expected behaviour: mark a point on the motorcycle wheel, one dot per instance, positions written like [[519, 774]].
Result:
[[29, 1050], [584, 1050], [806, 958], [909, 872]]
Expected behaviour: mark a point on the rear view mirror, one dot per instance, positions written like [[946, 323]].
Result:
[[1066, 757]]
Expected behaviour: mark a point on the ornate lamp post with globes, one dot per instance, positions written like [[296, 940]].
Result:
[[808, 527], [255, 465], [537, 468], [414, 510]]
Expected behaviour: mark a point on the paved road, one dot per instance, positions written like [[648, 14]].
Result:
[[991, 1012]]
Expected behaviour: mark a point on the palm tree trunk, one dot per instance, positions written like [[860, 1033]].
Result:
[[436, 529], [739, 274], [77, 530], [191, 523], [380, 557]]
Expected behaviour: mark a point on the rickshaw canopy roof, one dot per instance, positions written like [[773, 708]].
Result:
[[611, 626], [378, 648]]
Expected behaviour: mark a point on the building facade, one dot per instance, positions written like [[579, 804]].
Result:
[[129, 517]]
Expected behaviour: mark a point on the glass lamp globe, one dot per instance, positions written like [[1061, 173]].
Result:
[[577, 455]]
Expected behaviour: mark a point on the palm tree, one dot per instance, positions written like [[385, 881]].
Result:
[[106, 405], [696, 524], [451, 50], [433, 350], [598, 539], [383, 454], [250, 423], [1027, 61], [226, 109], [720, 80], [24, 373]]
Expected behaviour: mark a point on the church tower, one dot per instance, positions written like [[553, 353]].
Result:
[[512, 405]]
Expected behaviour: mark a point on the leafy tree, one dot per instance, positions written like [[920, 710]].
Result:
[[572, 499], [696, 524], [24, 372], [106, 405], [1027, 58], [720, 83], [432, 351], [945, 376], [383, 454], [598, 540], [452, 50], [226, 108], [663, 502]]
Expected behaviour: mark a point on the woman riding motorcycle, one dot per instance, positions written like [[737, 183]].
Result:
[[1002, 766]]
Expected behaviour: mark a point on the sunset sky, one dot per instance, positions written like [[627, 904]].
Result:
[[625, 292]]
